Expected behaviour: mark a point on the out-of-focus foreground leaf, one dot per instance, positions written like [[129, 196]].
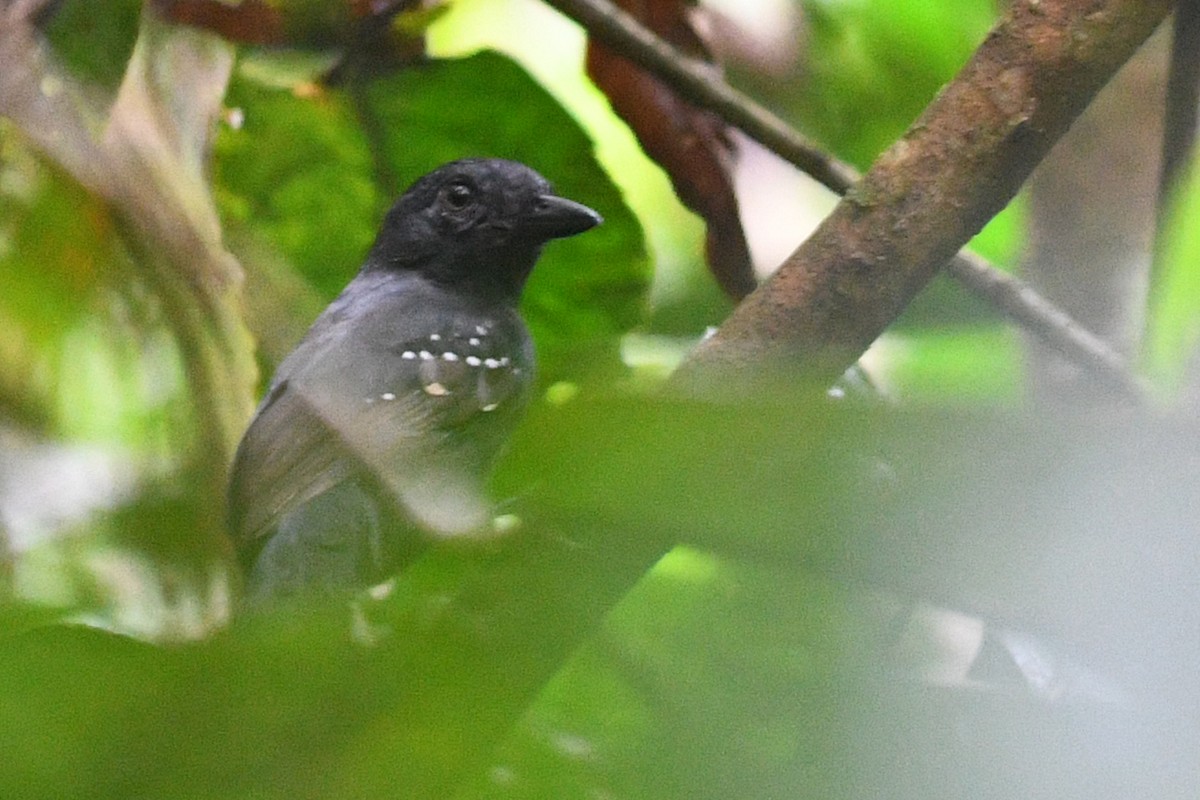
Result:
[[94, 40], [576, 660], [1174, 329]]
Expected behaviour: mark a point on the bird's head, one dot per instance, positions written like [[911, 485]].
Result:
[[478, 225]]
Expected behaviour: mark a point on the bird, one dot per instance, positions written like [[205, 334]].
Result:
[[376, 434]]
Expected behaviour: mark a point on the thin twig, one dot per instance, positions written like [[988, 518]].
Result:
[[699, 83], [1019, 302]]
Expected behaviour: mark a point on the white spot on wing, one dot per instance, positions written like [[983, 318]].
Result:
[[387, 396], [474, 361], [450, 356], [425, 355], [408, 355]]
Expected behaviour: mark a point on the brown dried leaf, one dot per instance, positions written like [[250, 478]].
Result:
[[250, 22], [691, 144], [354, 24]]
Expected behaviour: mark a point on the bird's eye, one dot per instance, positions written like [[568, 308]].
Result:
[[458, 196]]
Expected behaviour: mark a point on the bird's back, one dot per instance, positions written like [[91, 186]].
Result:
[[406, 399]]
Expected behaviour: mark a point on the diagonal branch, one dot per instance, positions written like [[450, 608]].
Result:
[[931, 191], [700, 84]]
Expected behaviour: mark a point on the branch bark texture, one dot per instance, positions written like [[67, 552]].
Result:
[[702, 85], [929, 193]]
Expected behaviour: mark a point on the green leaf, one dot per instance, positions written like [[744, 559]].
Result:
[[586, 291], [575, 660], [1173, 332], [297, 171], [93, 39], [872, 66], [311, 171]]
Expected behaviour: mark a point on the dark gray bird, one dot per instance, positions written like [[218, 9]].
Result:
[[378, 430]]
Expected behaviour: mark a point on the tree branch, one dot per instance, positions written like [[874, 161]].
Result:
[[931, 191], [1021, 303], [699, 83]]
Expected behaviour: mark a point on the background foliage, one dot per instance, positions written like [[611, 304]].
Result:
[[700, 601]]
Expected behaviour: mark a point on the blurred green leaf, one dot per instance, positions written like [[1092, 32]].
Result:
[[680, 697], [298, 171], [871, 66], [17, 618], [94, 40], [596, 665], [1173, 332], [91, 714]]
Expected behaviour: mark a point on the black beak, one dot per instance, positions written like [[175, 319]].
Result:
[[554, 217]]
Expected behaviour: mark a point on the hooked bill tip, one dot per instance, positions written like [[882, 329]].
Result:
[[556, 217]]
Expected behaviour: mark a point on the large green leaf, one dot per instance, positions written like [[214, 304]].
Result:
[[587, 290], [311, 172], [596, 666], [94, 40], [1174, 327], [297, 172]]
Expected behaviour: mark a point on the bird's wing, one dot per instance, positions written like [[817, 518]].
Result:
[[286, 458], [424, 425]]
